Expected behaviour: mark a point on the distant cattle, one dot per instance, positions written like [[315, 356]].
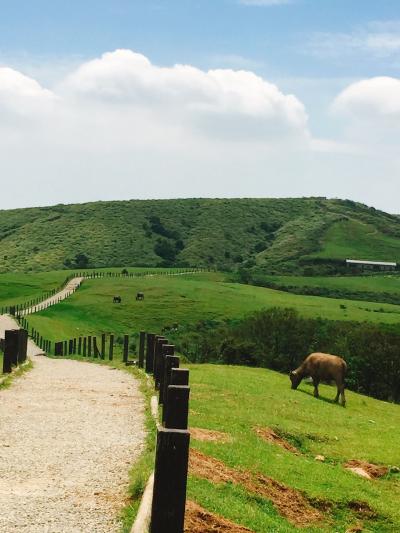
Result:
[[321, 367], [139, 296], [117, 299]]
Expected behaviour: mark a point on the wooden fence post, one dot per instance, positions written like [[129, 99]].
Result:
[[10, 356], [96, 352], [70, 347], [167, 349], [89, 346], [111, 349], [103, 345], [150, 353], [80, 346], [142, 339], [84, 347], [171, 361], [74, 346], [179, 376], [177, 411], [158, 354], [22, 345], [170, 479], [126, 349]]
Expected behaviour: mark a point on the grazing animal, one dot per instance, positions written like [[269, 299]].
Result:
[[321, 367], [117, 299], [140, 296]]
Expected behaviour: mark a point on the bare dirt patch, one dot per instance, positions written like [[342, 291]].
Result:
[[367, 470], [362, 509], [199, 520], [290, 503], [208, 435], [269, 435]]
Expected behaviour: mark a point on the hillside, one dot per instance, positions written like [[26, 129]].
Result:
[[273, 235]]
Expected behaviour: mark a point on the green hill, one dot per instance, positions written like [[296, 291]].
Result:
[[273, 235]]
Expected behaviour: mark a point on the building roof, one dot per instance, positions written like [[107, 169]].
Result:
[[374, 263]]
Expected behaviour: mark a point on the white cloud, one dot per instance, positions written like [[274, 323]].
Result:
[[379, 39], [371, 99], [370, 113], [225, 102], [22, 95], [121, 127]]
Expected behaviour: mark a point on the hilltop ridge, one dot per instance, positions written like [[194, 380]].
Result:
[[272, 235]]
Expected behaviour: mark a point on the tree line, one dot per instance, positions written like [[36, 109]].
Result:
[[279, 339]]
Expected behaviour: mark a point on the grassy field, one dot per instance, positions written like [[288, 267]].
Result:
[[16, 288], [184, 300], [236, 400], [353, 239], [382, 283]]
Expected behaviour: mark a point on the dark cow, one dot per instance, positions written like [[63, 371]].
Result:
[[139, 296], [117, 299]]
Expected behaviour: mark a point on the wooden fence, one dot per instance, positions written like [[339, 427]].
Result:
[[171, 382], [14, 347], [39, 304], [156, 356]]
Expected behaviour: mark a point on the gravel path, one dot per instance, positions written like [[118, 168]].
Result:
[[69, 288], [69, 432]]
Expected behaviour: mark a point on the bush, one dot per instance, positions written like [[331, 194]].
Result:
[[280, 339]]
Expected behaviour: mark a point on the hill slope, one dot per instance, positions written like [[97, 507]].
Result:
[[276, 235]]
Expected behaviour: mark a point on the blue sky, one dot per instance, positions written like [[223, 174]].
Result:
[[275, 39], [313, 49]]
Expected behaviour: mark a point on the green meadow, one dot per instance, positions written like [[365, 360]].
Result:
[[379, 283], [185, 299], [16, 288], [346, 238], [236, 400]]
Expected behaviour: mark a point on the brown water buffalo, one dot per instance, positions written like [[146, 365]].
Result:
[[321, 367]]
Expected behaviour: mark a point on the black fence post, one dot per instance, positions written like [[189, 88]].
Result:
[[10, 356], [70, 347], [171, 361], [84, 346], [177, 411], [95, 349], [80, 346], [170, 479], [150, 353], [111, 348], [103, 345], [158, 354], [126, 349], [179, 376], [142, 340], [22, 345], [167, 349], [74, 347], [89, 346]]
